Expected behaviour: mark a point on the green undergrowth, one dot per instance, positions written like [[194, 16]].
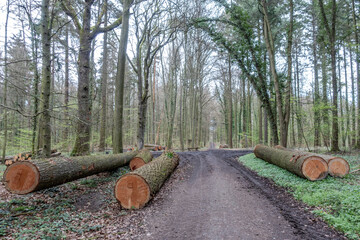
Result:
[[56, 213], [2, 170], [336, 200]]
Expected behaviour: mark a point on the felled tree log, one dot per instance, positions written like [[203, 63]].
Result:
[[142, 158], [28, 176], [302, 164], [134, 190], [224, 146], [153, 147], [26, 157], [338, 166]]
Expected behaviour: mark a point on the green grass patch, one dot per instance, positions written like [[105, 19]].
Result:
[[2, 170], [337, 200]]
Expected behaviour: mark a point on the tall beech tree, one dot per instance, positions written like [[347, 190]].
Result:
[[45, 118], [5, 118], [330, 27], [87, 34], [104, 83], [120, 79], [357, 61]]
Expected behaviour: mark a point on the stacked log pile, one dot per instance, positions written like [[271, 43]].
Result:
[[134, 190], [338, 166], [27, 176], [154, 147], [224, 146], [142, 158], [305, 165], [26, 156]]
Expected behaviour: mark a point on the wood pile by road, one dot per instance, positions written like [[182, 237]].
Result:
[[304, 164]]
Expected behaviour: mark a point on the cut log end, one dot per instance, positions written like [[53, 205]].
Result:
[[315, 168], [132, 191], [135, 163], [21, 177], [338, 167]]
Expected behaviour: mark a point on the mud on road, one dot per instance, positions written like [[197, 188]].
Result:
[[212, 196]]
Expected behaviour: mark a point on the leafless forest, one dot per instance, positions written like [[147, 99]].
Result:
[[93, 75]]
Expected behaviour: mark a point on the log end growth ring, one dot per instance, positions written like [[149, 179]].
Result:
[[338, 167], [21, 177], [135, 163], [132, 191], [315, 168]]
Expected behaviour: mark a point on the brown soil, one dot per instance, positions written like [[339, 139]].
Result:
[[209, 196], [212, 196]]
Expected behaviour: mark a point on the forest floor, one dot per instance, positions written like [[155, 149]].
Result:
[[209, 196]]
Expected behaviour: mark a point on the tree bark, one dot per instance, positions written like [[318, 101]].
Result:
[[317, 118], [45, 123], [229, 96], [82, 141], [86, 34], [282, 115], [67, 85], [331, 32], [120, 80], [325, 110], [353, 102], [104, 85], [29, 176], [338, 166], [142, 158], [5, 82], [134, 190], [357, 60], [306, 166]]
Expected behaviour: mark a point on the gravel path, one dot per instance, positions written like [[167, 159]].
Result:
[[214, 198]]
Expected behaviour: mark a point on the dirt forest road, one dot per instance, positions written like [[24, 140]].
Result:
[[211, 196]]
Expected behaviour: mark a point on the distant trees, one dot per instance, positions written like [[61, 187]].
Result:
[[180, 74]]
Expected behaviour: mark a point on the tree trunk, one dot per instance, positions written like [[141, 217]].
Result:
[[348, 127], [120, 80], [278, 94], [86, 35], [353, 103], [325, 110], [289, 47], [142, 158], [317, 118], [309, 167], [229, 96], [104, 85], [29, 176], [135, 189], [260, 124], [45, 79], [331, 32], [5, 83], [357, 60], [67, 82], [82, 141]]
